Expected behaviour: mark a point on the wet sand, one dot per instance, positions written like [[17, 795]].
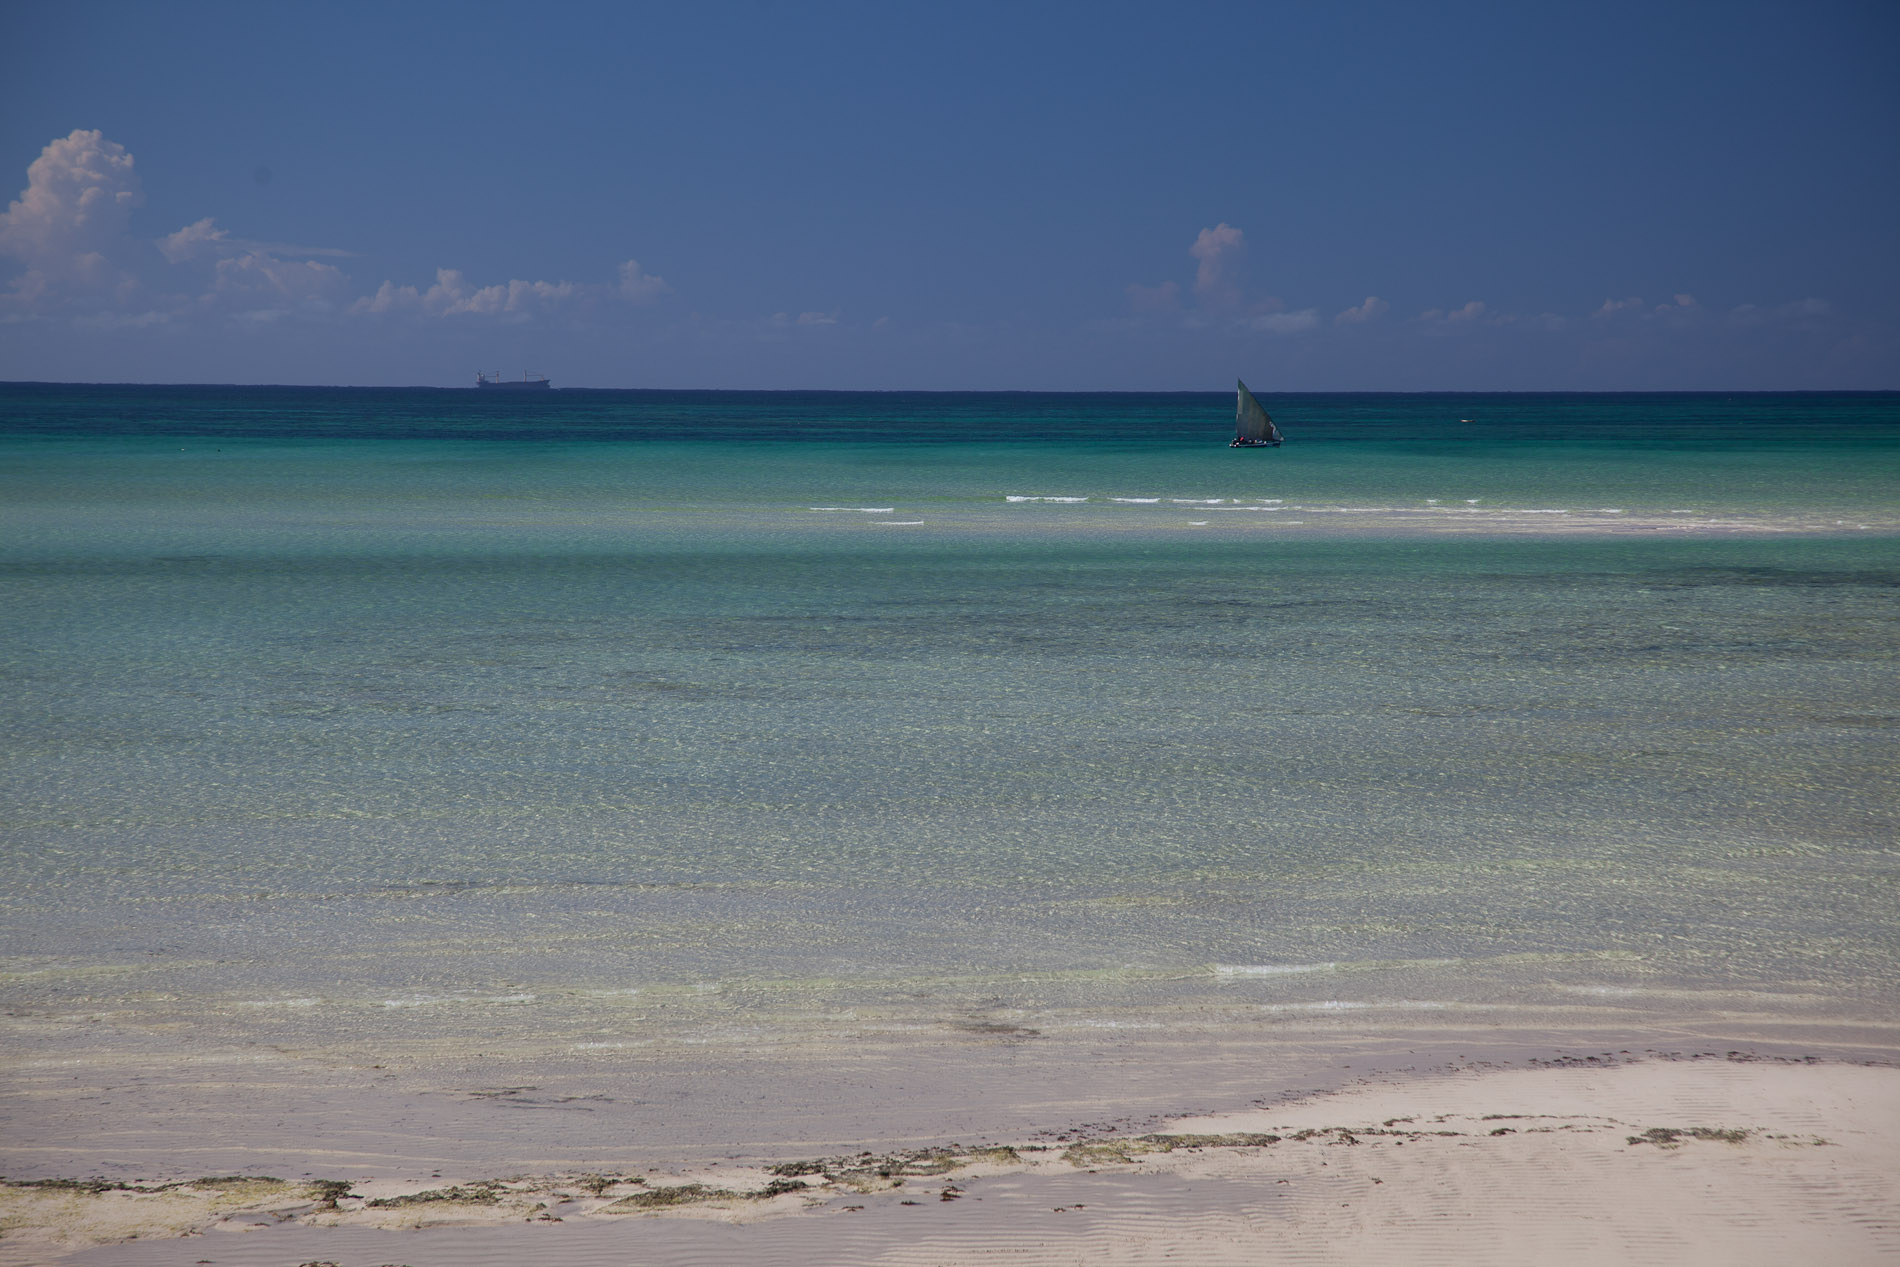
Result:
[[1696, 1155]]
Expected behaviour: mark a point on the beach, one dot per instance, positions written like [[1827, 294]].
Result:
[[425, 794], [1684, 1157]]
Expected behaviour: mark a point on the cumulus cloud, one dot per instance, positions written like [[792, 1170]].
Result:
[[1218, 251], [202, 237], [640, 286], [1611, 307], [71, 227], [453, 295], [253, 277], [260, 276], [1465, 316], [72, 217], [1218, 295], [1373, 308]]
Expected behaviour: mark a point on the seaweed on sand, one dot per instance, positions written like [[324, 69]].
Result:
[[486, 1193], [1672, 1136]]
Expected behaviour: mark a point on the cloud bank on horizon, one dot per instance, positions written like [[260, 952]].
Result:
[[84, 268]]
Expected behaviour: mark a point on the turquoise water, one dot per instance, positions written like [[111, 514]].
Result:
[[381, 721]]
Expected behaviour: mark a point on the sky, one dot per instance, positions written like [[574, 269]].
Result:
[[970, 196]]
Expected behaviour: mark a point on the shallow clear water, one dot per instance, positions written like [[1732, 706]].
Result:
[[372, 719]]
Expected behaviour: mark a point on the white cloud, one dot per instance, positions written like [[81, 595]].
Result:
[[1374, 307], [259, 275], [453, 295], [1613, 306], [252, 280], [1454, 317], [203, 238], [70, 227], [1218, 249], [71, 218], [199, 238], [639, 286], [79, 193]]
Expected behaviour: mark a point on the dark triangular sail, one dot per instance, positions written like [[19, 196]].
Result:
[[1251, 421]]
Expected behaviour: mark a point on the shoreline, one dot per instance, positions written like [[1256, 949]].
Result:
[[1567, 1155]]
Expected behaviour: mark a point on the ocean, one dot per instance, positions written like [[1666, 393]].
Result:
[[400, 725]]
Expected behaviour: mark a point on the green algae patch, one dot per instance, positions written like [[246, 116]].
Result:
[[1109, 1152], [872, 1172], [1100, 1152], [1238, 1139], [1672, 1136], [471, 1194], [666, 1198]]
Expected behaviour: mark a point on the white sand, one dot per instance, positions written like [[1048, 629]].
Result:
[[1489, 1166]]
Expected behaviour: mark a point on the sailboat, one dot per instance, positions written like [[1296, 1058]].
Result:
[[1252, 428]]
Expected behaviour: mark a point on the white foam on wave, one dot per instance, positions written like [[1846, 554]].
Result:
[[1229, 970], [1136, 501], [1024, 497], [1197, 501], [1546, 512], [897, 523], [1608, 510], [863, 510]]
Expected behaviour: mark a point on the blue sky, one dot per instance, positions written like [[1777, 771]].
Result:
[[1378, 196]]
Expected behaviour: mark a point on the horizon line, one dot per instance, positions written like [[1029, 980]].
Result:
[[1001, 391]]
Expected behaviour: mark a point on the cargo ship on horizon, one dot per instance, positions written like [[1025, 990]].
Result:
[[527, 382]]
